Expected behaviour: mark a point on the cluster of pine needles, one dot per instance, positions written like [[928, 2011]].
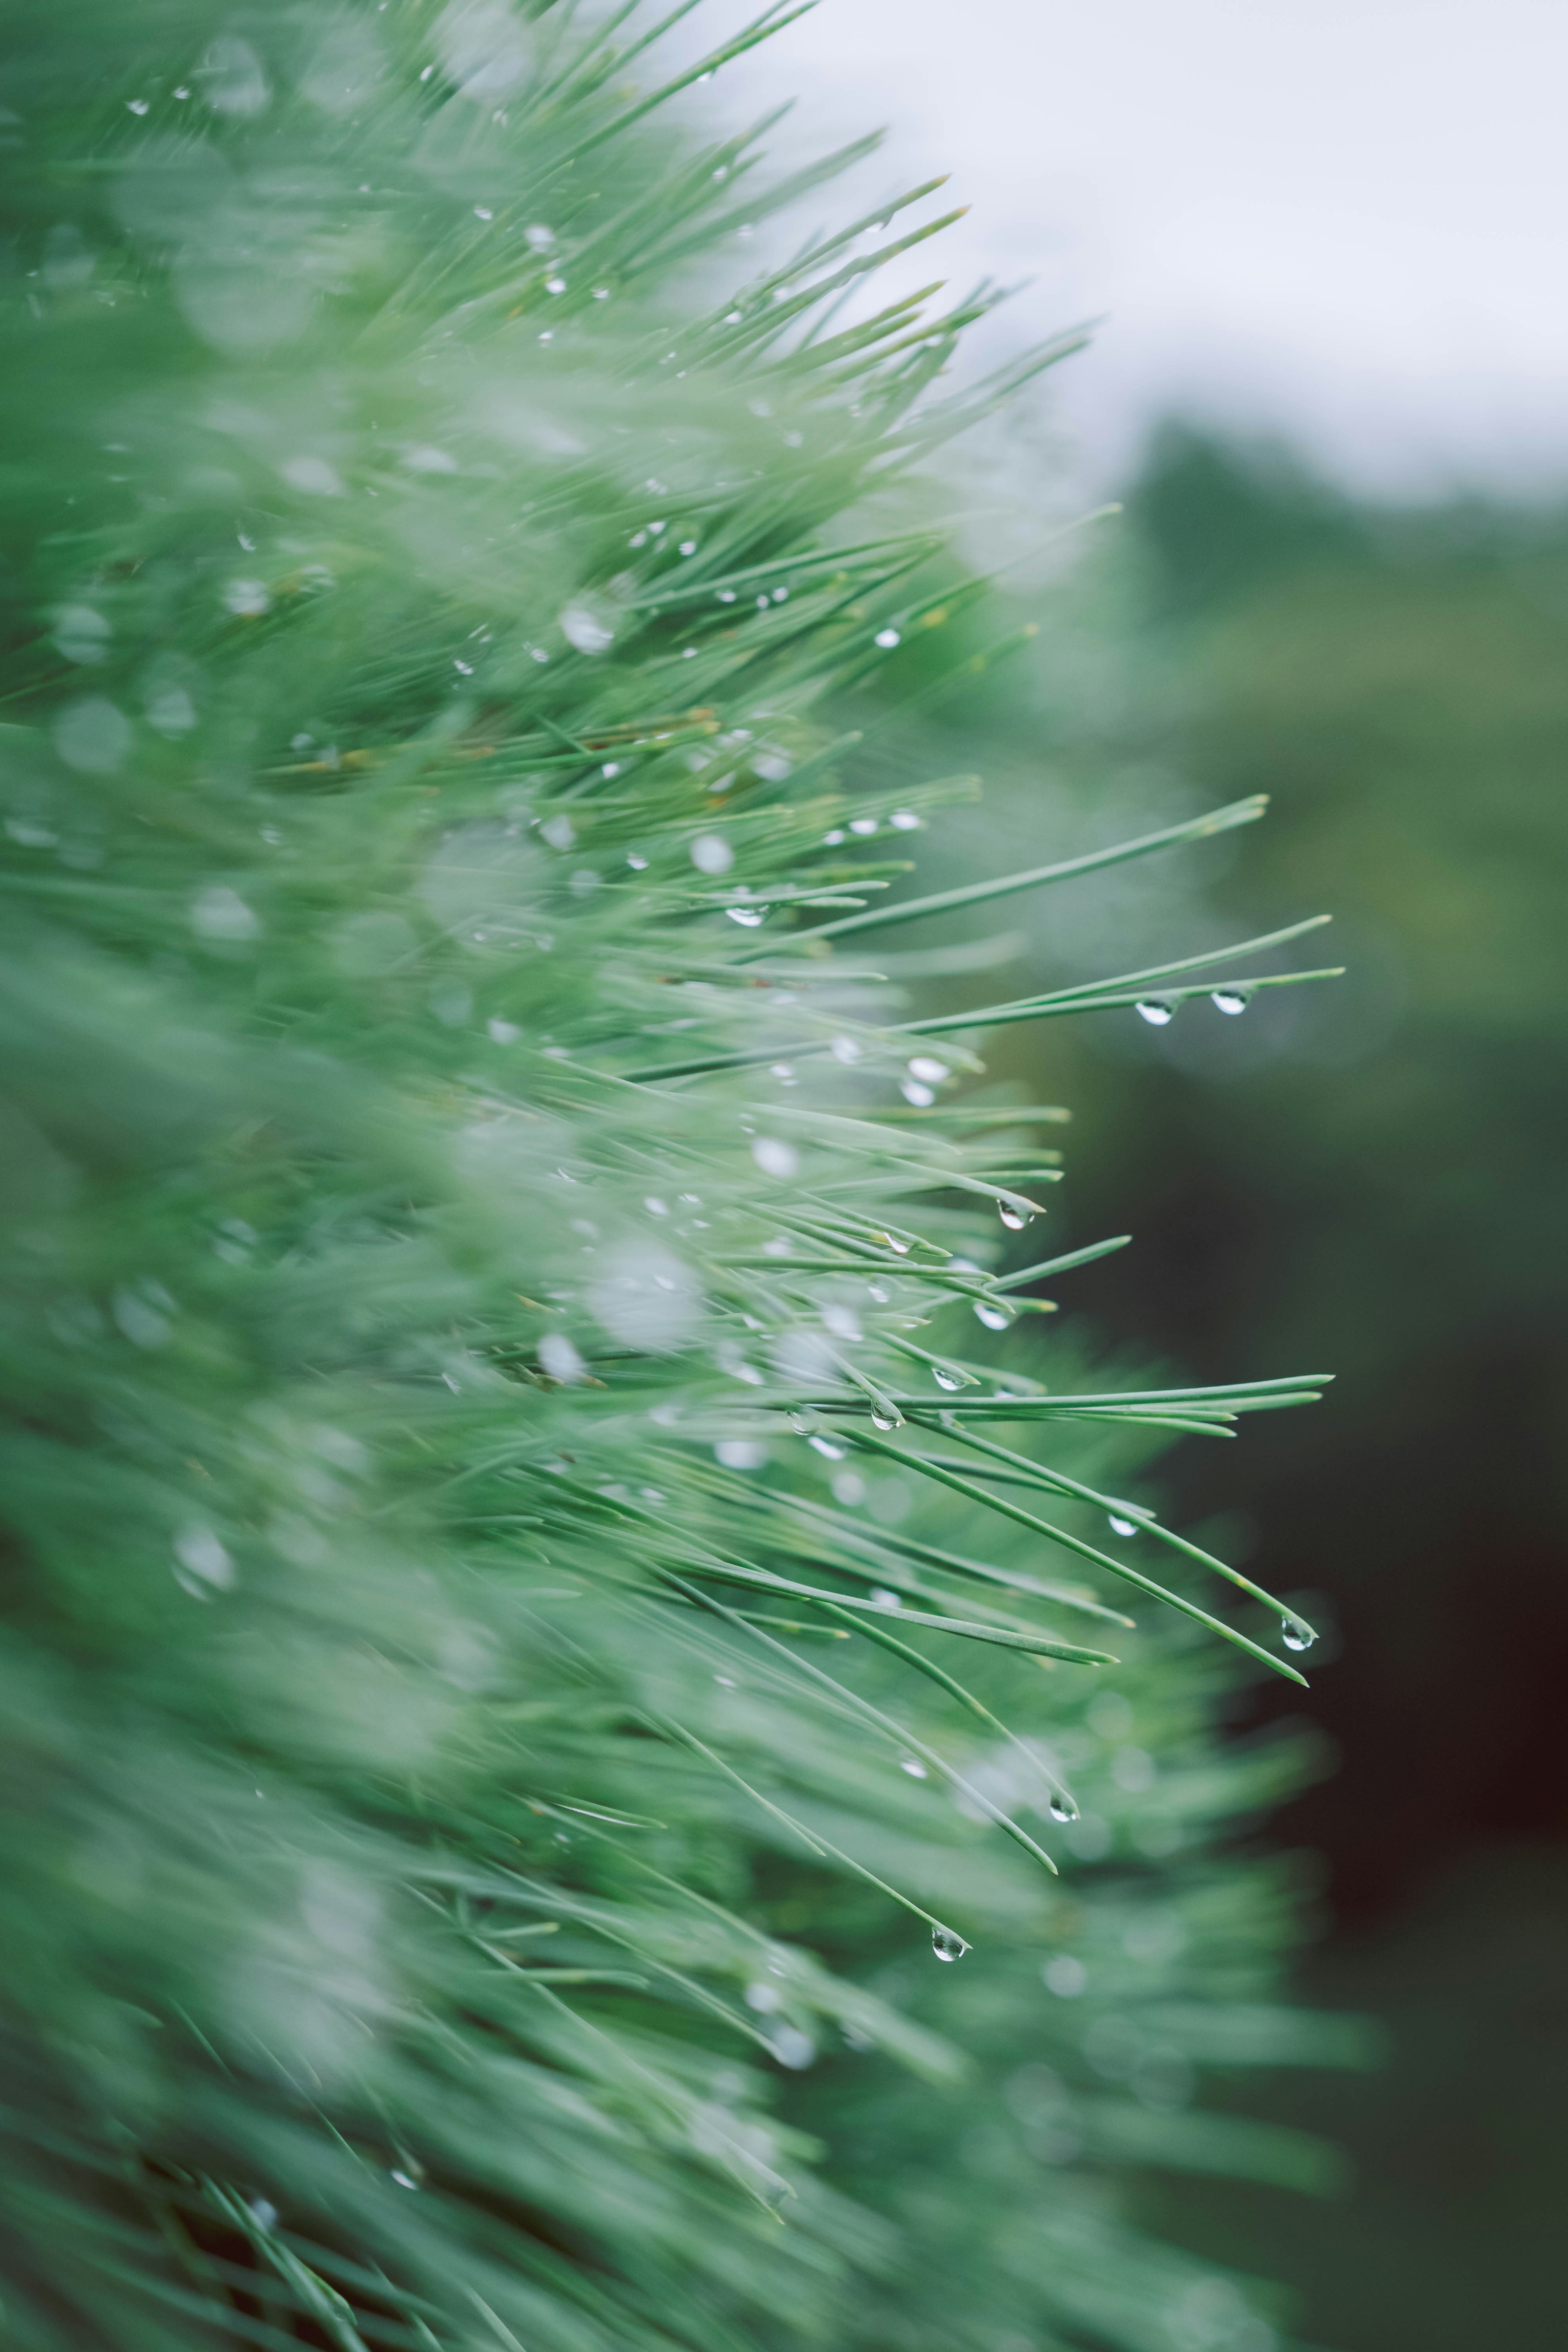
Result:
[[540, 1594]]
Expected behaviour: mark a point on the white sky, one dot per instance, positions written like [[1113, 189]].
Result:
[[1343, 219]]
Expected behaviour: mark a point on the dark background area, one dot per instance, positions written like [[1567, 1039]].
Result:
[[1376, 1187], [1362, 1177]]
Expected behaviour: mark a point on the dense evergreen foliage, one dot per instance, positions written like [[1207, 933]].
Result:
[[519, 1551]]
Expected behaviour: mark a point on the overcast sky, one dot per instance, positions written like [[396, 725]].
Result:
[[1344, 219]]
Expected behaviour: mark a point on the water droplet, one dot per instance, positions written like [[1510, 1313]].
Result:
[[1295, 1635], [825, 1445], [584, 628], [913, 1092], [1157, 1013], [946, 1944], [888, 639], [1119, 1526], [900, 1247], [995, 1318], [560, 1358], [1012, 1216], [1230, 1000], [262, 2212], [791, 2047], [913, 1767], [945, 1379], [1066, 1976], [747, 916], [408, 2173], [884, 1415], [247, 598], [928, 1069], [711, 854], [774, 1157], [1062, 1806], [802, 1423], [904, 821], [880, 1598]]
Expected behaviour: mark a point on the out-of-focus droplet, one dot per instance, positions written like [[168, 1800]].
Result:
[[205, 1563], [232, 77], [791, 2047], [888, 639], [913, 1092], [845, 1050], [928, 1069], [220, 914], [92, 735], [774, 1157], [314, 475], [825, 1446], [747, 916], [560, 1358], [249, 599], [711, 854], [589, 631], [82, 635], [904, 821]]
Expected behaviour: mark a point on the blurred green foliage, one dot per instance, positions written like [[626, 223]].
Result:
[[449, 1901]]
